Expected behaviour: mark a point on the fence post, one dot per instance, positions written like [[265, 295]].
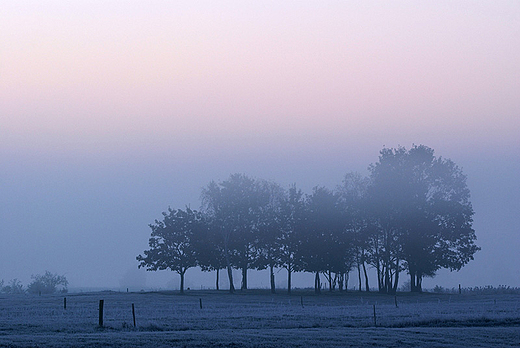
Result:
[[101, 303], [375, 323], [64, 303], [133, 313], [200, 303], [301, 300], [460, 290], [395, 299]]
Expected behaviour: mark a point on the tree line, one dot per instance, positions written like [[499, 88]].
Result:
[[412, 214], [47, 283]]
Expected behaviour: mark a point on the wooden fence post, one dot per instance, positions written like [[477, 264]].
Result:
[[375, 323], [101, 303], [301, 300], [64, 303], [133, 313], [200, 303]]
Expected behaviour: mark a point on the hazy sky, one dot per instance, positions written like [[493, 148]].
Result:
[[111, 111]]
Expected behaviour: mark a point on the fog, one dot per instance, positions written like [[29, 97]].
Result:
[[103, 126], [90, 220]]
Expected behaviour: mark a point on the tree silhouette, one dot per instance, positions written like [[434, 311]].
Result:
[[172, 242], [353, 194], [412, 214], [236, 206], [424, 215], [324, 247], [270, 227], [46, 283], [293, 221], [209, 249]]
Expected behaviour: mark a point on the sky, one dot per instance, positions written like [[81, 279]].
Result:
[[112, 111]]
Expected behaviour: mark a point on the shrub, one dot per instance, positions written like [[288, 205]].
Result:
[[439, 289], [47, 283], [14, 287]]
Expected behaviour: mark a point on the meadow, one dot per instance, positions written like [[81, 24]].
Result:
[[256, 318]]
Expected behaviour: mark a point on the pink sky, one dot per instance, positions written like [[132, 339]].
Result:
[[112, 110], [76, 75]]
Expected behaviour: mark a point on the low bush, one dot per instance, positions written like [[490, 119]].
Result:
[[14, 287], [47, 283]]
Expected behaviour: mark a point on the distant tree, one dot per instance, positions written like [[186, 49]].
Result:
[[424, 215], [14, 287], [293, 220], [235, 206], [47, 283], [209, 249], [172, 242], [216, 208], [324, 247], [353, 195], [269, 231]]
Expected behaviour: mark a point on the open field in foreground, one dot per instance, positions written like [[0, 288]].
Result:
[[256, 318]]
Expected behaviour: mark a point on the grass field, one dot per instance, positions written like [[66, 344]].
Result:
[[257, 318]]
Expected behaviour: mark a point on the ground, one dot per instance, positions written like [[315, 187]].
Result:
[[255, 318]]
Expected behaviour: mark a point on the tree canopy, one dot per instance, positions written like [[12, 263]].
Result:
[[47, 283], [172, 243], [424, 216], [411, 214]]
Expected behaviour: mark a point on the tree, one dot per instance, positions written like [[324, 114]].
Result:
[[172, 242], [424, 215], [14, 287], [293, 221], [353, 195], [46, 284], [236, 207], [269, 231], [325, 245], [210, 250], [216, 208]]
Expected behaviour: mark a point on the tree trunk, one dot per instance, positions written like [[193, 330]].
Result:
[[341, 279], [387, 262], [181, 273], [229, 270], [230, 277], [244, 278], [330, 281], [271, 270], [387, 279], [415, 281], [289, 280], [317, 285], [390, 283], [381, 280], [216, 283], [379, 277], [367, 287], [396, 281], [359, 275], [418, 288]]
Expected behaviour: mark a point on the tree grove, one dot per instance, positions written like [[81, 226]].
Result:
[[411, 214]]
